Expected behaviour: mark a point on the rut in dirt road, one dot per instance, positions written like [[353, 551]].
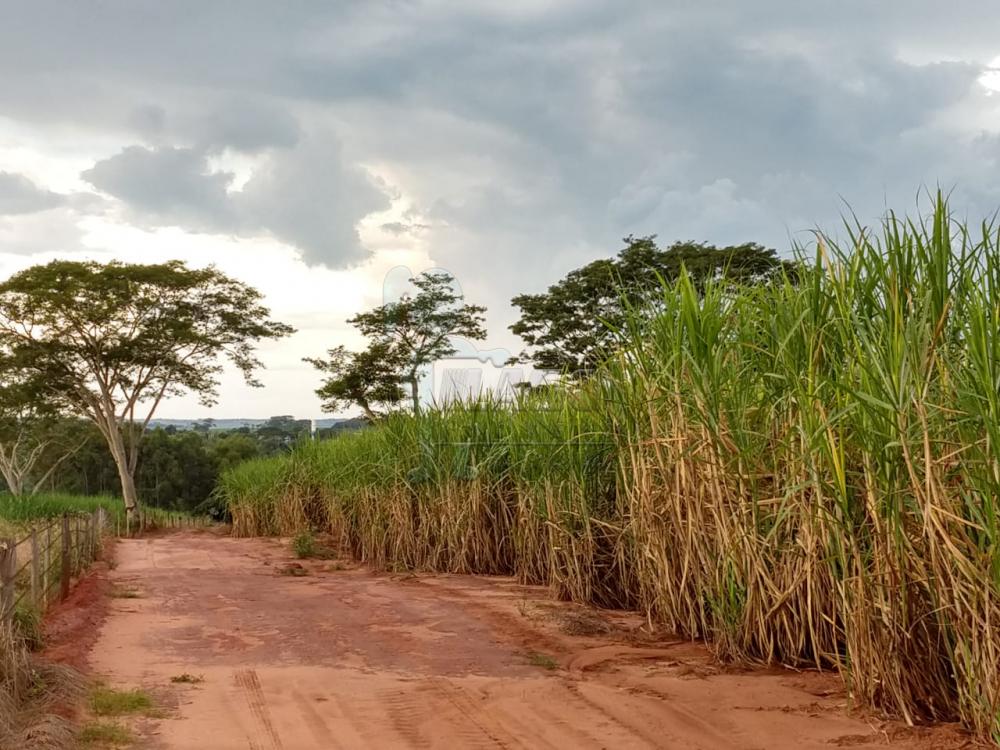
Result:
[[346, 658]]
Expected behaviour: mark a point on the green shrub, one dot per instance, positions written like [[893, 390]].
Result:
[[304, 544]]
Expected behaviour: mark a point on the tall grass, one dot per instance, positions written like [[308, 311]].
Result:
[[805, 472], [51, 504], [19, 512]]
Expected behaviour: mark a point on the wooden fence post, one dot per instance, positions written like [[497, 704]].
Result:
[[35, 570], [85, 541], [8, 569], [64, 567], [48, 561], [102, 526]]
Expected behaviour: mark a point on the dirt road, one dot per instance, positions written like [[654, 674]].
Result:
[[345, 658]]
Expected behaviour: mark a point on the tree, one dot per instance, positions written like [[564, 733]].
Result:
[[110, 341], [404, 337], [30, 438], [571, 327], [32, 447], [176, 470], [370, 379], [279, 433]]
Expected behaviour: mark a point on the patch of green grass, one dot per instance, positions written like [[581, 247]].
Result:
[[544, 661], [103, 734], [189, 679], [304, 545], [54, 504], [28, 625], [106, 701]]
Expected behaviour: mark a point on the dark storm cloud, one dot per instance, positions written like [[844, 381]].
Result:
[[166, 185], [19, 195], [307, 198], [531, 134]]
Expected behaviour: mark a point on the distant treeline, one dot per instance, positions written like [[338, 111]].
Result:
[[178, 468]]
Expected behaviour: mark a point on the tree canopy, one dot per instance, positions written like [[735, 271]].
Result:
[[110, 341], [571, 327], [370, 378], [403, 337]]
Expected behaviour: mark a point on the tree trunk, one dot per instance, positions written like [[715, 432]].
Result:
[[415, 393], [117, 445], [129, 493], [13, 480], [13, 469]]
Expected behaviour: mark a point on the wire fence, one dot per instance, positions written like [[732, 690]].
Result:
[[154, 518], [38, 568]]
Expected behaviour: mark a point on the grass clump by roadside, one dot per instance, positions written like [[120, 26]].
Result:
[[803, 472], [544, 661], [31, 690], [107, 701], [187, 679], [27, 623], [304, 545], [104, 734]]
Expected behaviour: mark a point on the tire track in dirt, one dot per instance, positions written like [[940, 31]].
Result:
[[465, 707], [247, 680], [320, 731], [434, 704]]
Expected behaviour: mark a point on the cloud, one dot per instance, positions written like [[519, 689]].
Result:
[[53, 231], [242, 125], [310, 198], [167, 186], [528, 137], [19, 195], [306, 196]]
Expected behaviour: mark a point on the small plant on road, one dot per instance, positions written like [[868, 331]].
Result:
[[304, 545], [102, 734], [106, 701], [188, 679], [544, 661]]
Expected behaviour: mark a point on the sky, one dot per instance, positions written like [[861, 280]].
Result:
[[315, 149]]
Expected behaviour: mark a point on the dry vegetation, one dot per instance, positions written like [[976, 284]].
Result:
[[804, 473], [30, 691]]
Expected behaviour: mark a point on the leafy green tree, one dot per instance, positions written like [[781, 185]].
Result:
[[32, 449], [571, 327], [176, 469], [110, 341], [88, 471], [369, 379], [278, 434], [404, 337], [231, 448], [31, 445]]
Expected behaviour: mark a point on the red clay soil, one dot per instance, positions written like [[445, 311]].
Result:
[[71, 627], [341, 657]]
